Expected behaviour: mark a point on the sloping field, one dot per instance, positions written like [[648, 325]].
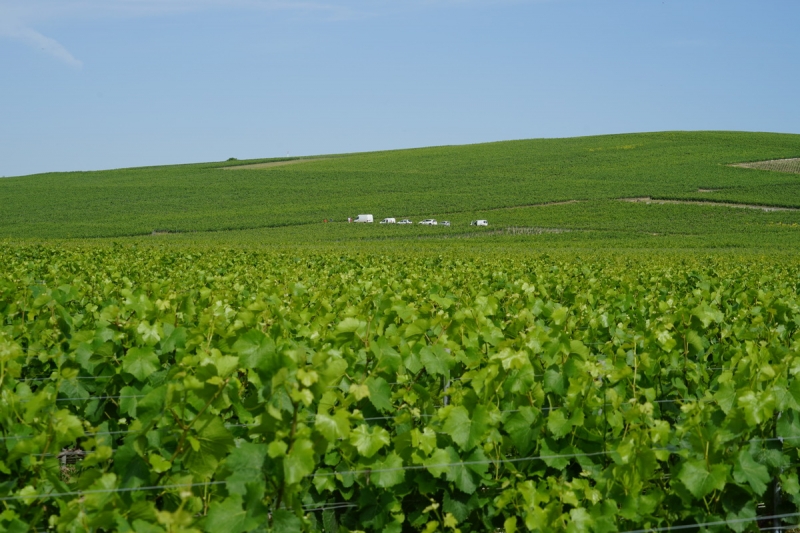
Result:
[[515, 183]]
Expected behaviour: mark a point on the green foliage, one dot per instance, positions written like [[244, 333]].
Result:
[[521, 187], [300, 391]]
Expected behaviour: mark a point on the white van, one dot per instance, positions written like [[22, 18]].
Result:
[[388, 221], [363, 218], [479, 223]]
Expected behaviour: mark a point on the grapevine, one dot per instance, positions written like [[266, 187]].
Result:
[[146, 389]]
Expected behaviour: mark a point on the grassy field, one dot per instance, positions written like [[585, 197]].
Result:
[[508, 183]]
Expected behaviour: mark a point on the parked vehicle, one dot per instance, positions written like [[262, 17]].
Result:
[[405, 221], [388, 221], [363, 218], [445, 223], [479, 223], [428, 222]]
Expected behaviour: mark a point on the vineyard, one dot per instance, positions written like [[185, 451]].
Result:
[[187, 389], [513, 183]]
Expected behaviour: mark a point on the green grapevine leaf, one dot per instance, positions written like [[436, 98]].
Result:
[[700, 480], [558, 423], [380, 394], [389, 472], [213, 442], [457, 425], [520, 426], [141, 362], [747, 470], [256, 350], [300, 462], [369, 439], [229, 516], [285, 522], [436, 360], [333, 427]]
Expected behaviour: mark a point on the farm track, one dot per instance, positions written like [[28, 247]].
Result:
[[768, 208], [791, 165], [273, 164], [509, 230], [545, 204]]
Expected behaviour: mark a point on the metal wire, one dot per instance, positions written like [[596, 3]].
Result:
[[88, 398], [121, 432], [23, 380], [461, 463], [343, 505], [715, 523], [107, 491], [310, 417]]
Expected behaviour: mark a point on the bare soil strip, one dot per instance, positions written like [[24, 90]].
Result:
[[517, 230], [780, 165], [272, 164], [545, 204], [511, 230], [648, 200]]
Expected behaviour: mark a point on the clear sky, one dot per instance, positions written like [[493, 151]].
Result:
[[93, 84]]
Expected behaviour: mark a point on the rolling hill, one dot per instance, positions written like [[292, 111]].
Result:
[[557, 191]]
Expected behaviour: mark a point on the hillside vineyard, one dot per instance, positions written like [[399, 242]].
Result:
[[559, 192], [188, 389]]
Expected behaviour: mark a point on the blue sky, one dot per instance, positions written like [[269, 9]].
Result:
[[93, 84]]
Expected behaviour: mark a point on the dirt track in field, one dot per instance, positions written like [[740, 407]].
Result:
[[780, 165], [272, 164], [545, 204], [648, 200]]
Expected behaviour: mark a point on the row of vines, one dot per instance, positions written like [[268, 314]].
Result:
[[156, 390]]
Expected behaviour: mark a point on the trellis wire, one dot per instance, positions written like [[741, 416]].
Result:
[[107, 491], [89, 398], [716, 523], [312, 416]]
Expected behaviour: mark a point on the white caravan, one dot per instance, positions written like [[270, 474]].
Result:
[[388, 221]]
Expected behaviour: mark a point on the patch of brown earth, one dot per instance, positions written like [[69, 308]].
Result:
[[545, 204], [512, 230], [515, 230], [791, 165], [648, 200], [272, 164]]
